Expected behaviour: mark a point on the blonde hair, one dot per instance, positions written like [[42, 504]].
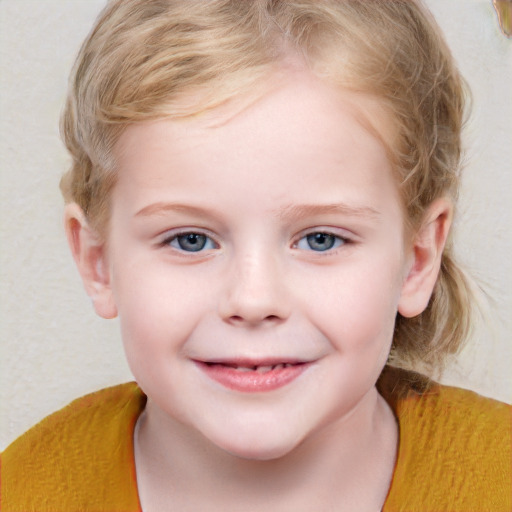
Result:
[[146, 59]]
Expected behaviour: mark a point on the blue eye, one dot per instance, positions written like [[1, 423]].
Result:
[[191, 242], [320, 242]]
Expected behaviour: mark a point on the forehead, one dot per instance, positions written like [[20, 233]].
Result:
[[288, 98], [299, 128]]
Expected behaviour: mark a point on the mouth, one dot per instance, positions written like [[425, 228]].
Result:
[[253, 376], [252, 367]]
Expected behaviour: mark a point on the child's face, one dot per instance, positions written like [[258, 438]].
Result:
[[270, 237]]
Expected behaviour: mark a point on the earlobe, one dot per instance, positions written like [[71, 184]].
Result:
[[90, 256], [426, 255]]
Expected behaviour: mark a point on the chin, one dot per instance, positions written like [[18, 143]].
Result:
[[257, 447], [261, 454]]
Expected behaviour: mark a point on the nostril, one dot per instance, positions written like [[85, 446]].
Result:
[[238, 319]]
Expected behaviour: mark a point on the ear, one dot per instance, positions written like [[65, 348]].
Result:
[[426, 254], [90, 255]]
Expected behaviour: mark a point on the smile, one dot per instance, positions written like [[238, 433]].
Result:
[[251, 377]]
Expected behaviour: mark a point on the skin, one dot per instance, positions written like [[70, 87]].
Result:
[[256, 183]]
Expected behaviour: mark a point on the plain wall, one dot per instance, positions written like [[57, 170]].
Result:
[[54, 348]]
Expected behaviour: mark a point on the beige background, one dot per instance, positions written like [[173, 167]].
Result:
[[53, 347]]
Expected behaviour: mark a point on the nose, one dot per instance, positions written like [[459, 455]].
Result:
[[255, 292]]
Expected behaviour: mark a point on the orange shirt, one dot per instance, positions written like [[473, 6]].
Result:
[[454, 455]]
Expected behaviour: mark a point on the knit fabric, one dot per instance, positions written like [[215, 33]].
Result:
[[77, 459], [454, 455]]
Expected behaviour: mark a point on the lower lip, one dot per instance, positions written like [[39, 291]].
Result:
[[252, 381]]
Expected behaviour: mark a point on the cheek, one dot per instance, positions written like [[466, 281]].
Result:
[[356, 310], [157, 309]]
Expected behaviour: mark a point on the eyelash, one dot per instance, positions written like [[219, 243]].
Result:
[[206, 242]]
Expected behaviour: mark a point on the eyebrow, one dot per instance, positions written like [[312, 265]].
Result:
[[293, 211], [163, 208], [298, 212]]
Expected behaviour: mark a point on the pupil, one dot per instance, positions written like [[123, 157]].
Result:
[[192, 242], [320, 241]]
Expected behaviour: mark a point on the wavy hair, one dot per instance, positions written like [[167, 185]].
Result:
[[146, 59]]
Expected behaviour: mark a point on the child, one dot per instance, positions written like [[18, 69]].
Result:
[[262, 191]]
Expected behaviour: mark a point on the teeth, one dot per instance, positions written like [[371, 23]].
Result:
[[264, 369], [244, 369]]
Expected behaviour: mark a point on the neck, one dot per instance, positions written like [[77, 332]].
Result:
[[348, 461]]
